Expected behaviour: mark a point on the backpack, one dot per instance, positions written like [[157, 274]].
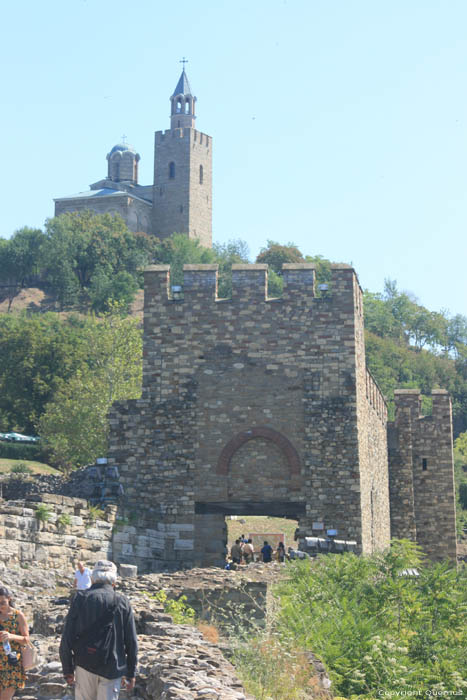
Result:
[[93, 647]]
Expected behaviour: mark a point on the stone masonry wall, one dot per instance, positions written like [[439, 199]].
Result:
[[183, 204], [372, 442], [26, 540], [251, 399], [421, 473]]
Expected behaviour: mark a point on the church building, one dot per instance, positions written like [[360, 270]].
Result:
[[180, 198]]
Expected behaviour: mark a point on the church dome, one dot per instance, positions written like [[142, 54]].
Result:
[[122, 147], [123, 163]]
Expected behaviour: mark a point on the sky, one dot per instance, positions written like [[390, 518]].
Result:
[[338, 125]]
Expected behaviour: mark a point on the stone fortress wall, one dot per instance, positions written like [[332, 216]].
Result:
[[253, 405]]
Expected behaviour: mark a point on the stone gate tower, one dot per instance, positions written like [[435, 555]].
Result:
[[182, 195], [264, 406]]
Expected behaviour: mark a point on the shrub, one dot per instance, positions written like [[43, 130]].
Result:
[[182, 614], [95, 513], [64, 520], [21, 468], [42, 513], [15, 450]]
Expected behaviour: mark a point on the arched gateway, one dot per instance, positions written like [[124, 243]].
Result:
[[254, 405]]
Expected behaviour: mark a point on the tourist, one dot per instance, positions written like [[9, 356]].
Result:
[[248, 552], [266, 552], [82, 577], [236, 552], [98, 649], [280, 552], [14, 634]]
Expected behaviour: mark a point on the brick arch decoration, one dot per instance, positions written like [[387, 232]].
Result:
[[284, 445]]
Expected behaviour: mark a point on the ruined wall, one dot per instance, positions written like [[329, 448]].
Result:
[[27, 541], [421, 474], [250, 399]]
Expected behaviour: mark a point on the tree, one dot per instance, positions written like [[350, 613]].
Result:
[[37, 354], [84, 252], [9, 273], [26, 244], [179, 250], [234, 252], [74, 425], [275, 255]]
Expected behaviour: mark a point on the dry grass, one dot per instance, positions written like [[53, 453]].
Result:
[[36, 467], [209, 632], [261, 524]]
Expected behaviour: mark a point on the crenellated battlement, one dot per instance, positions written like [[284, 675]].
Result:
[[376, 398], [249, 282], [198, 137]]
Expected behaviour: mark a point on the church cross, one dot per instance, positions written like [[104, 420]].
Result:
[[124, 139], [184, 60]]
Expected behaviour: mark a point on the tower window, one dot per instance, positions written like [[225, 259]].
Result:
[[424, 464], [178, 108], [171, 170], [187, 107], [201, 174]]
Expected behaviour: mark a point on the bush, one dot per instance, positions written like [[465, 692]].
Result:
[[15, 450], [42, 513], [21, 468], [63, 521]]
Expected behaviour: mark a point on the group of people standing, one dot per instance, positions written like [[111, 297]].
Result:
[[243, 549], [99, 646]]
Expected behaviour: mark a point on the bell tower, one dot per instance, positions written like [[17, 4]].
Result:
[[182, 194]]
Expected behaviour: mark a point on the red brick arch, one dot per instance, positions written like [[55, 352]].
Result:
[[284, 445]]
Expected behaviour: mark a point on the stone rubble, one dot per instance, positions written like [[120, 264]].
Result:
[[175, 661]]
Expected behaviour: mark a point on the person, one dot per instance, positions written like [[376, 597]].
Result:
[[92, 611], [280, 552], [82, 577], [248, 552], [266, 552], [236, 552], [13, 631]]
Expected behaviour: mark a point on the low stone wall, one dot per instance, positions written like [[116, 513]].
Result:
[[69, 533]]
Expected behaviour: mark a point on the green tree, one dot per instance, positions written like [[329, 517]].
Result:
[[9, 273], [26, 244], [234, 252], [83, 249], [74, 425], [37, 354], [179, 250], [275, 255]]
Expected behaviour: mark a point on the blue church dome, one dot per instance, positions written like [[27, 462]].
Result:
[[122, 147]]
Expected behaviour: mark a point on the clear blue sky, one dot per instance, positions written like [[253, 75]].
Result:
[[340, 125]]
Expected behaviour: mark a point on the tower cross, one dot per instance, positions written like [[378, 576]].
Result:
[[124, 139], [184, 60]]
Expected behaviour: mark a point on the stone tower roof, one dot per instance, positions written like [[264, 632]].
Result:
[[183, 86]]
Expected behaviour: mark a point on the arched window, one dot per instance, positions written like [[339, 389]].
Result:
[[201, 174], [178, 108], [171, 170], [187, 107]]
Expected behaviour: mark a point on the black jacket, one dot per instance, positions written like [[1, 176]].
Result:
[[86, 608]]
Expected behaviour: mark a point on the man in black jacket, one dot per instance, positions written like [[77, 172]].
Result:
[[99, 646]]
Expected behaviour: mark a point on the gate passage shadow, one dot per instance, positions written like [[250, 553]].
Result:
[[274, 509]]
